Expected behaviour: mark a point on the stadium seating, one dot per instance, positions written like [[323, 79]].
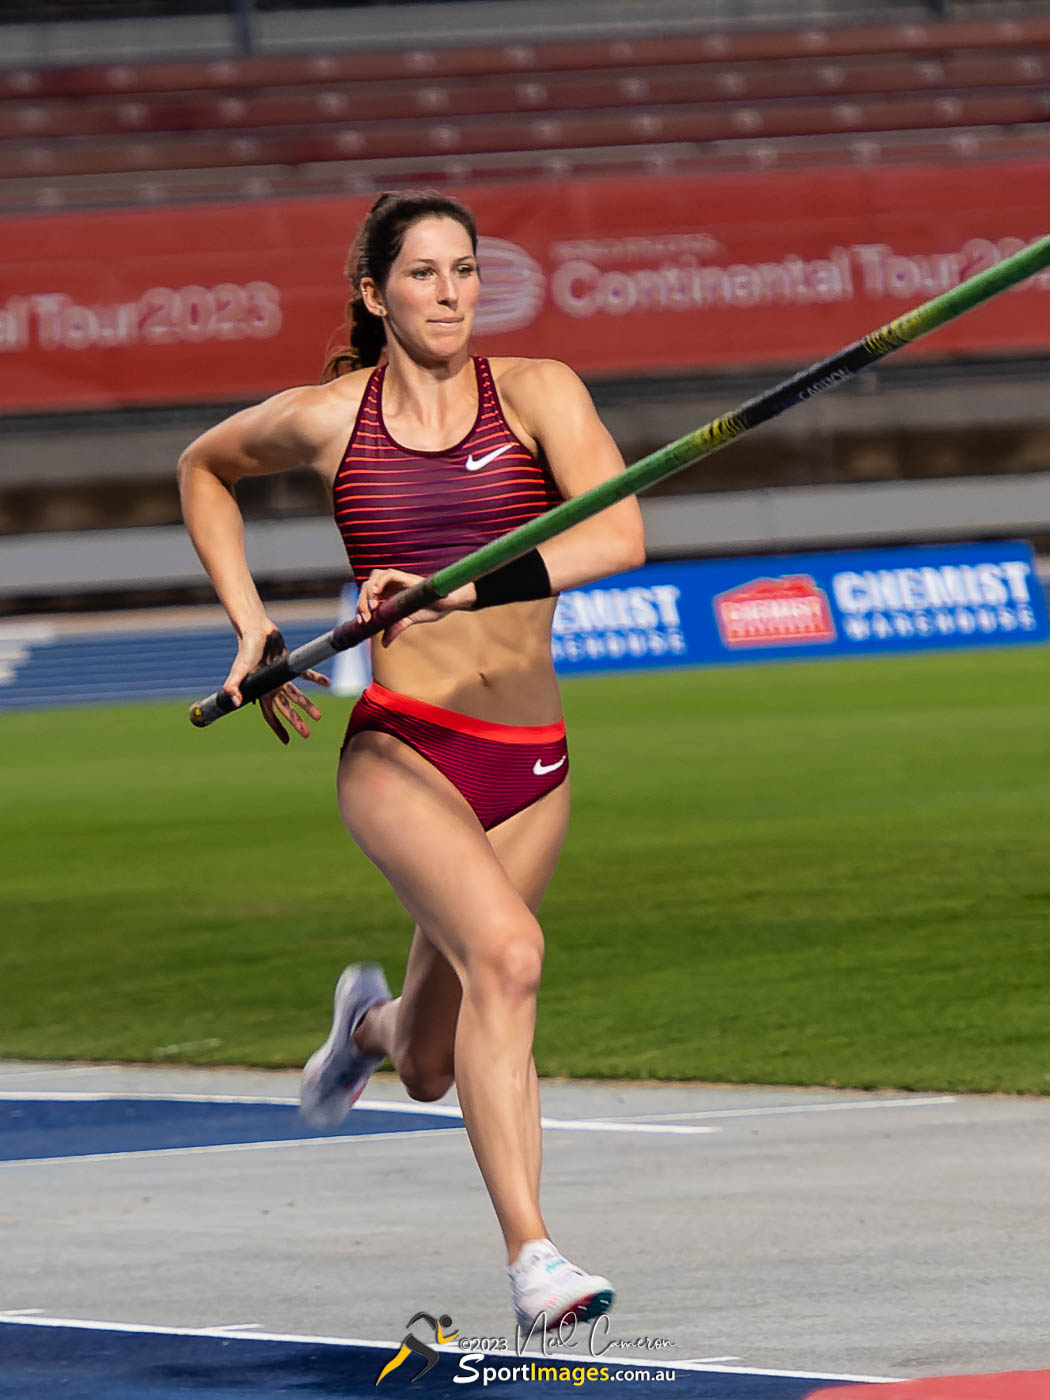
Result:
[[272, 105], [158, 130], [694, 124], [39, 665]]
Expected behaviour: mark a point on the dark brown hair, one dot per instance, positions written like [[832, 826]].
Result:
[[372, 254]]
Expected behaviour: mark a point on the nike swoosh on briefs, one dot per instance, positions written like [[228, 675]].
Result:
[[475, 464], [539, 767]]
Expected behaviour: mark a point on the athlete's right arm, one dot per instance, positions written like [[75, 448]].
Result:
[[292, 429]]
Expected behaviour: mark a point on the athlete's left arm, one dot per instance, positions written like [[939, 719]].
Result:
[[556, 410]]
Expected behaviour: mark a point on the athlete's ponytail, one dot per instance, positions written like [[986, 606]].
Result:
[[372, 254], [365, 341]]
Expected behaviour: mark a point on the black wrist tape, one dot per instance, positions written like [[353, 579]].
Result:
[[517, 582]]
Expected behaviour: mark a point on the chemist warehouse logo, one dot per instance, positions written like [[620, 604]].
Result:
[[480, 1364], [936, 602], [933, 603], [618, 624], [774, 612]]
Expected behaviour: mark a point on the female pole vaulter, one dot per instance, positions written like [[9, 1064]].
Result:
[[453, 777]]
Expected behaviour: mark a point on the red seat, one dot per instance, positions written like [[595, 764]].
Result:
[[699, 97], [623, 89]]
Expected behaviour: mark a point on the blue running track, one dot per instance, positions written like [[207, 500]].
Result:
[[46, 1128], [45, 1362], [61, 1359]]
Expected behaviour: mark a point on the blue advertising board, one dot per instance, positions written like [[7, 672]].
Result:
[[790, 606], [773, 607]]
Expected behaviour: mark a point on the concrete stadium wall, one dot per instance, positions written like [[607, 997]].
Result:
[[478, 21], [97, 561]]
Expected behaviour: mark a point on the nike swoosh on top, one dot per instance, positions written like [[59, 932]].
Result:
[[539, 767], [475, 464]]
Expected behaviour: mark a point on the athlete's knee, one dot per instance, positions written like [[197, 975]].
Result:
[[510, 963], [428, 1088], [425, 1066], [425, 1079]]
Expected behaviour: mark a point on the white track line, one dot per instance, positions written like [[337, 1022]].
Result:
[[773, 1110], [443, 1110], [439, 1110], [102, 1095], [143, 1328], [665, 1363], [53, 1069], [619, 1125]]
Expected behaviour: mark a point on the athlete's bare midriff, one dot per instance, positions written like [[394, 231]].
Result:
[[492, 665]]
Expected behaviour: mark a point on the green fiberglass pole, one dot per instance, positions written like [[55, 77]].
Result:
[[658, 465]]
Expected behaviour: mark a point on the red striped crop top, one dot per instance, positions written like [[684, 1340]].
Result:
[[401, 508]]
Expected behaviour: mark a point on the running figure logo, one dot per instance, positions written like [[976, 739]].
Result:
[[413, 1344]]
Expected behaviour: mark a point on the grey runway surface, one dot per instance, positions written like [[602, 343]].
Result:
[[811, 1230]]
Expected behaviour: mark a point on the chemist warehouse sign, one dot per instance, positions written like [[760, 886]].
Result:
[[789, 606]]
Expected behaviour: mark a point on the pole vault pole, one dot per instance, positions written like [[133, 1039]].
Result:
[[903, 330]]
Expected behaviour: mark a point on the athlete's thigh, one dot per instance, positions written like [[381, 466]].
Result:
[[421, 833], [527, 845]]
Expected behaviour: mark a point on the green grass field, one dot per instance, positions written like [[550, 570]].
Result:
[[829, 873]]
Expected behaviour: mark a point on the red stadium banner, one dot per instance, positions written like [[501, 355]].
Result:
[[620, 277]]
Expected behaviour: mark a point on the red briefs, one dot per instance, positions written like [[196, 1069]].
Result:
[[499, 768]]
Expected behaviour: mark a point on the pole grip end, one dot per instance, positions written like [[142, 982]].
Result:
[[205, 712]]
